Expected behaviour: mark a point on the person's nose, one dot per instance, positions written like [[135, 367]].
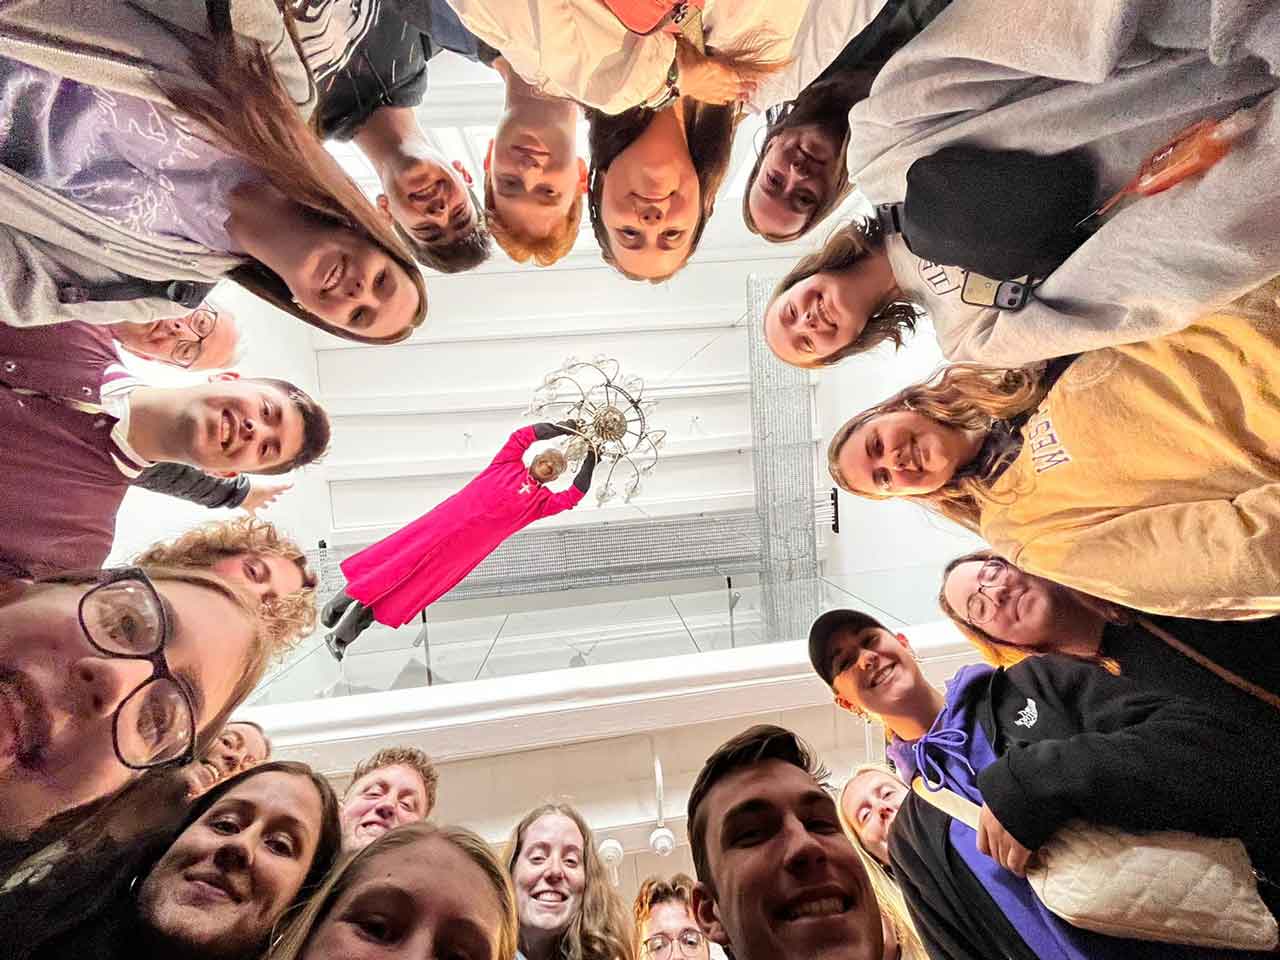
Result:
[[104, 682], [554, 871], [901, 458], [235, 851], [437, 203], [247, 429], [385, 810], [868, 660], [650, 212], [801, 850]]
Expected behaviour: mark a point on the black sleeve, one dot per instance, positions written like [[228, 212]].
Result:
[[191, 483], [1139, 760], [545, 431], [583, 480]]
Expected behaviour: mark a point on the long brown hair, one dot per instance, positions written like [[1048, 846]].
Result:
[[967, 396], [251, 115], [602, 928], [891, 320], [294, 939]]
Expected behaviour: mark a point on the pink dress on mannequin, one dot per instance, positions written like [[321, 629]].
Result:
[[399, 576]]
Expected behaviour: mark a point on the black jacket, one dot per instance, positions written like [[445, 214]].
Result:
[[1100, 749], [191, 483]]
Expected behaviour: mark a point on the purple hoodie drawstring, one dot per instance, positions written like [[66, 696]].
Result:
[[948, 740]]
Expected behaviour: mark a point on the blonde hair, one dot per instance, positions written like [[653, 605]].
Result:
[[602, 929], [294, 939], [251, 115], [287, 618], [965, 396], [657, 890], [520, 247], [891, 320], [893, 906], [410, 757]]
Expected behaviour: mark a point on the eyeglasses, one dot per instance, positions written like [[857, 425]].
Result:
[[661, 947], [202, 321], [124, 618], [981, 606]]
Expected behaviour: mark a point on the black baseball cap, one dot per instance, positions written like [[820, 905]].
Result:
[[821, 651]]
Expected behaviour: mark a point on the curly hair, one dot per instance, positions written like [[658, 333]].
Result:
[[410, 757], [519, 246], [655, 890], [286, 619], [601, 930], [892, 320], [965, 396]]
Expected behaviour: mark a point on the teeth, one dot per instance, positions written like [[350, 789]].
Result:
[[819, 908]]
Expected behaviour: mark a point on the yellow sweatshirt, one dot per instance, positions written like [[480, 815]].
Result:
[[1150, 473]]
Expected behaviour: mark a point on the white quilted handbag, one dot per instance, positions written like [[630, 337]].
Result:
[[1167, 886]]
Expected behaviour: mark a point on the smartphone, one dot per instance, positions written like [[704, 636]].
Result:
[[980, 291]]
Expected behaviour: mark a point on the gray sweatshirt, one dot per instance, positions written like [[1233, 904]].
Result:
[[1116, 78]]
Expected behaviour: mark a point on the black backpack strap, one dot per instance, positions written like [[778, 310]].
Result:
[[187, 293]]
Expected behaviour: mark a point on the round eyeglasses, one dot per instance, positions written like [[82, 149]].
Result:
[[981, 607], [201, 322], [662, 947], [123, 617]]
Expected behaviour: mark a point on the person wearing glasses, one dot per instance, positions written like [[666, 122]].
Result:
[[1036, 745], [207, 338], [666, 928], [1009, 614], [107, 674], [79, 429], [211, 884], [241, 745]]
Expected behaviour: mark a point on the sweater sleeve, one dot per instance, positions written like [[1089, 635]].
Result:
[[1141, 761], [191, 483], [1206, 559], [516, 445]]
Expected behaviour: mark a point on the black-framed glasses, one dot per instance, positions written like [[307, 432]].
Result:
[[202, 321], [662, 947], [124, 618], [981, 607]]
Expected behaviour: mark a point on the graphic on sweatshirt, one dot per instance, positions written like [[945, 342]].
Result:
[[1027, 715], [941, 278], [1042, 440]]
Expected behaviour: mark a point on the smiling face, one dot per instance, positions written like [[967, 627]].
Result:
[[239, 747], [672, 919], [547, 466], [266, 576], [428, 198], [821, 314], [796, 175], [380, 801], [204, 339], [347, 281], [226, 880], [903, 453], [786, 881], [873, 670], [239, 426], [550, 874], [534, 174], [58, 695], [1023, 610], [398, 908], [870, 802], [652, 201]]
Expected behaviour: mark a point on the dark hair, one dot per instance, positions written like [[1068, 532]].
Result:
[[315, 426], [750, 748], [266, 741], [826, 105], [709, 131], [891, 320], [828, 626], [464, 253], [83, 903]]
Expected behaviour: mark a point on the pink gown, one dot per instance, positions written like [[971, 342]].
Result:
[[402, 574]]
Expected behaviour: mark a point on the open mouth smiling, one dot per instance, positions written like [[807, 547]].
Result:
[[880, 677]]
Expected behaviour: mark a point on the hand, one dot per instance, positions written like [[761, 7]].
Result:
[[708, 79], [262, 493], [999, 844]]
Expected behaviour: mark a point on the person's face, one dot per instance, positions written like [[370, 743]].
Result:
[[204, 339], [429, 200], [229, 876], [380, 801], [233, 426], [672, 919], [347, 281], [239, 747], [820, 315], [536, 176], [1021, 609], [266, 576], [901, 454], [787, 883], [59, 695], [550, 874], [651, 202], [796, 175], [870, 802], [873, 669], [426, 899], [545, 468]]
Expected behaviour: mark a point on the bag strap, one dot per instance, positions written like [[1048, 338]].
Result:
[[1237, 681], [949, 802]]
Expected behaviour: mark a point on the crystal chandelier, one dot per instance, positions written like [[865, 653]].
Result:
[[613, 416]]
